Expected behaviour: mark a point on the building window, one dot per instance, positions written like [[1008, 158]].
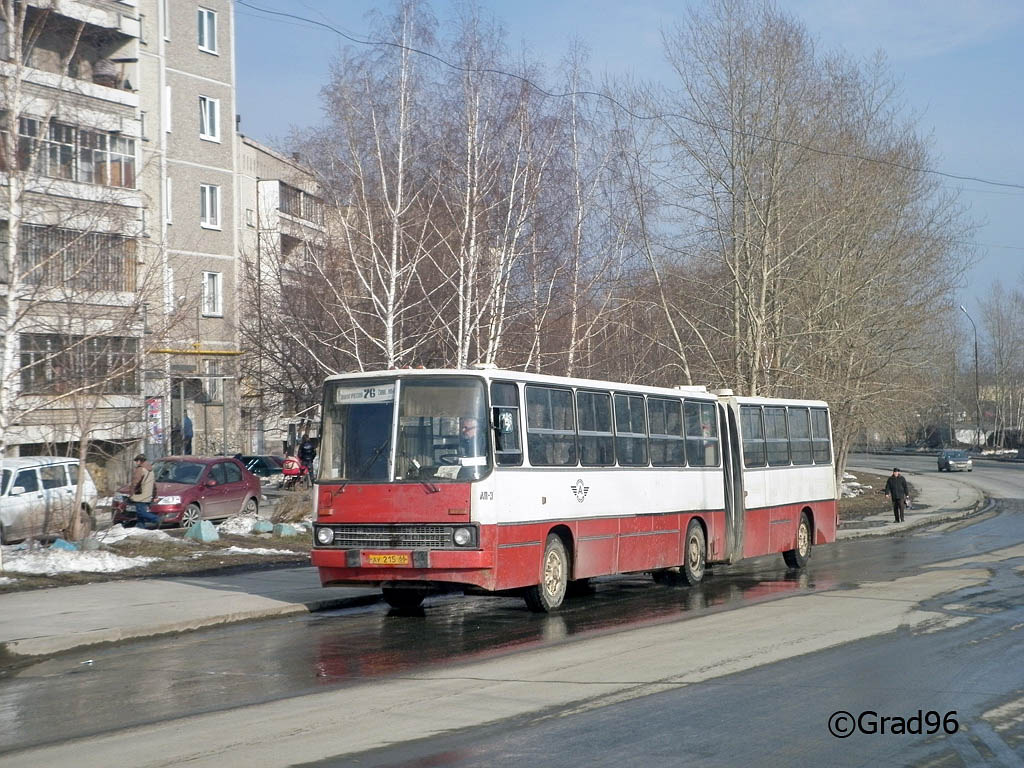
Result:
[[207, 21], [212, 294], [209, 118], [60, 363], [62, 151], [301, 205], [84, 261], [168, 201], [209, 206]]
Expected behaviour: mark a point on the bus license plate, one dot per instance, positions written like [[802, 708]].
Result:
[[387, 559]]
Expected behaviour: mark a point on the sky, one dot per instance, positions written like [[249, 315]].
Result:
[[960, 63]]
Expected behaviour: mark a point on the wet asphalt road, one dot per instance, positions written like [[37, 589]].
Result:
[[108, 689]]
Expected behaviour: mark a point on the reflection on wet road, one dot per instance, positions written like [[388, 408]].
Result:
[[232, 666]]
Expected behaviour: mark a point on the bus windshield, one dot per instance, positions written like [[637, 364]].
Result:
[[441, 431]]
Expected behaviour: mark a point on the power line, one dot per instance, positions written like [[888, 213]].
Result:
[[627, 110]]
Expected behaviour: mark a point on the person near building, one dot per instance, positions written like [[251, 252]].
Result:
[[143, 492], [307, 452], [186, 435], [896, 489]]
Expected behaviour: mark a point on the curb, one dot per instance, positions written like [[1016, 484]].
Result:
[[37, 648]]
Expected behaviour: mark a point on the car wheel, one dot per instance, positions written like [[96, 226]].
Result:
[[251, 507], [191, 516]]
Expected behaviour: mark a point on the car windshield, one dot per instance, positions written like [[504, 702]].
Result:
[[178, 472], [956, 454]]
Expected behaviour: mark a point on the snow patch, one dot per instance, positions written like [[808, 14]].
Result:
[[241, 525], [254, 551], [116, 533], [54, 561]]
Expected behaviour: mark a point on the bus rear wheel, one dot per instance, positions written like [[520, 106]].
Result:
[[554, 578], [797, 558], [695, 555], [402, 599]]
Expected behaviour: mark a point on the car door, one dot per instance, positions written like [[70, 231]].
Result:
[[57, 498], [234, 488], [26, 506], [214, 496]]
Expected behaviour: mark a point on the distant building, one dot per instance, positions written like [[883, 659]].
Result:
[[282, 230]]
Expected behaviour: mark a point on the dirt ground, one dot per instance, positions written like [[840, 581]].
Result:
[[871, 502]]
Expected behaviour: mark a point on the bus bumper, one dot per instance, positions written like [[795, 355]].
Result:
[[374, 566]]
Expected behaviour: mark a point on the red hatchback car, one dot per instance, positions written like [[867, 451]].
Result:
[[193, 488]]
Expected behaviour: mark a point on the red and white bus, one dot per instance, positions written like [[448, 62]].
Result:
[[501, 481]]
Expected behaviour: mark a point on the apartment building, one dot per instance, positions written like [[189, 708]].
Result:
[[72, 225], [281, 228], [189, 155], [136, 208]]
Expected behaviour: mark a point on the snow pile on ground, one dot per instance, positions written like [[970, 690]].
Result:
[[54, 561], [240, 525], [116, 533], [7, 580], [850, 487], [253, 551]]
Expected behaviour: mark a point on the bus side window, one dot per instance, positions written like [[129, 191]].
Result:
[[776, 436], [754, 452], [800, 435], [630, 431], [701, 434], [594, 417], [666, 432], [819, 436], [508, 447], [550, 427]]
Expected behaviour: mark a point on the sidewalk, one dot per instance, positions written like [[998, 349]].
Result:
[[939, 498], [47, 621]]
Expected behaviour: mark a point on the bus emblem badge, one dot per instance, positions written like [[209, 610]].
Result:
[[580, 490]]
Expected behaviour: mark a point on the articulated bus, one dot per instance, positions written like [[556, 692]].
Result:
[[505, 482]]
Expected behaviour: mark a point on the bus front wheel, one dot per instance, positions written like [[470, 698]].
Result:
[[402, 599], [554, 578], [797, 558]]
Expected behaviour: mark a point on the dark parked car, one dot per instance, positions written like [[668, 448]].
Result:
[[955, 460], [264, 466], [193, 488]]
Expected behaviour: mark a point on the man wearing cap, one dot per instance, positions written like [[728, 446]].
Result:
[[897, 490], [143, 490]]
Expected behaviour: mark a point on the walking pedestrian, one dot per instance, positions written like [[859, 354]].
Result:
[[896, 489]]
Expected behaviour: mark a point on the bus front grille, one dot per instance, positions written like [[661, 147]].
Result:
[[393, 536]]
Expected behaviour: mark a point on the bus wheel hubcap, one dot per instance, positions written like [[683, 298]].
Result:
[[803, 540], [553, 573]]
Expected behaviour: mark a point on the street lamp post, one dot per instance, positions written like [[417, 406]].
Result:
[[977, 388]]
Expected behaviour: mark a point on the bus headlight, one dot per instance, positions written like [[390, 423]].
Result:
[[462, 536], [325, 535]]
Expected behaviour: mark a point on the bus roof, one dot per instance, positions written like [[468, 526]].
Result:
[[531, 378]]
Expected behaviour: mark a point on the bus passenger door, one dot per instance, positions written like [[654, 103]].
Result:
[[732, 463]]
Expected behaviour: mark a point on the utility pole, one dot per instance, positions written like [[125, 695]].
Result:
[[977, 387]]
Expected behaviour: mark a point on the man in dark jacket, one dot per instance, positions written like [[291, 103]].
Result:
[[897, 490]]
